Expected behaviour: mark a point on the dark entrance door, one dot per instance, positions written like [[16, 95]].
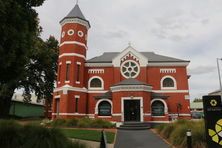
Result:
[[131, 110]]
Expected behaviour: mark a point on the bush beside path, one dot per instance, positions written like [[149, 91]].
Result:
[[175, 133]]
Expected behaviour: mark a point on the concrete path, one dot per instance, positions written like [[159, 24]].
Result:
[[138, 139], [92, 144]]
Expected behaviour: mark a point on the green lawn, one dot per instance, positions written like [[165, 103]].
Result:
[[91, 135]]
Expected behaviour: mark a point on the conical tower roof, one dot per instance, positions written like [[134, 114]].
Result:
[[75, 13]]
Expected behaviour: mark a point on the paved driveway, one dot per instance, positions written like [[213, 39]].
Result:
[[138, 139]]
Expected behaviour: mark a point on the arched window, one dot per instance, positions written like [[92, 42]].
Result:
[[157, 108], [104, 108], [95, 83], [168, 82]]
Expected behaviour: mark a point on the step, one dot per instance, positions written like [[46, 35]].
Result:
[[134, 128], [137, 123]]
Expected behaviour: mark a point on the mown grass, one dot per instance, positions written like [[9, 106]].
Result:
[[14, 135], [91, 135], [176, 133]]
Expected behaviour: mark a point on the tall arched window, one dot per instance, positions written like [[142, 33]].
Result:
[[104, 108], [157, 108], [168, 82]]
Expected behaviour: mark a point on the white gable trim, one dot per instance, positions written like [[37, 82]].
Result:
[[130, 50]]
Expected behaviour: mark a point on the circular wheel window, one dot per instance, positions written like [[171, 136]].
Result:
[[130, 69]]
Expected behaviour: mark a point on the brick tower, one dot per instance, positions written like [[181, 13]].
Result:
[[70, 95]]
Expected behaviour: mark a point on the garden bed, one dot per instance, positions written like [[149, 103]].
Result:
[[175, 133]]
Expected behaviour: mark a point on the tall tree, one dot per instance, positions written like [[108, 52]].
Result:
[[19, 29], [41, 70]]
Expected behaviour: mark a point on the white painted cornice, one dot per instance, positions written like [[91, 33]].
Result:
[[131, 88], [67, 88], [98, 64], [72, 55], [75, 20], [74, 42], [157, 64]]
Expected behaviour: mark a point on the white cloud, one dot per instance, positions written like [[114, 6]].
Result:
[[184, 29]]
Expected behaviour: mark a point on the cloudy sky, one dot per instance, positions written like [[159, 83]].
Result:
[[186, 29]]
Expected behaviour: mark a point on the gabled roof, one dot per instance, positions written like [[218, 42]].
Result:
[[107, 57], [216, 92], [130, 81]]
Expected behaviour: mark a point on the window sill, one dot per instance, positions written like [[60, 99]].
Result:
[[104, 116], [96, 88], [158, 116], [168, 88]]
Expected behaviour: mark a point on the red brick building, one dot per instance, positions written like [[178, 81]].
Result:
[[119, 86]]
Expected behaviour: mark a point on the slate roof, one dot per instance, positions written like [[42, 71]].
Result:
[[130, 81], [107, 95], [76, 13], [107, 57]]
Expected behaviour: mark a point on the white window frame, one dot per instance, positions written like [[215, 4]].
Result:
[[80, 33], [164, 103], [174, 81], [96, 88], [70, 32], [78, 64], [97, 106], [122, 73]]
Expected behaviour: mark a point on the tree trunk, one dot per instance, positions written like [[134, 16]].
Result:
[[5, 104]]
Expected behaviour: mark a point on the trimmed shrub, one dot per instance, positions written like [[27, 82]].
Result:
[[71, 122], [84, 122], [58, 122], [99, 123]]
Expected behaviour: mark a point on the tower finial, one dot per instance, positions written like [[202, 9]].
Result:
[[129, 43], [77, 2]]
